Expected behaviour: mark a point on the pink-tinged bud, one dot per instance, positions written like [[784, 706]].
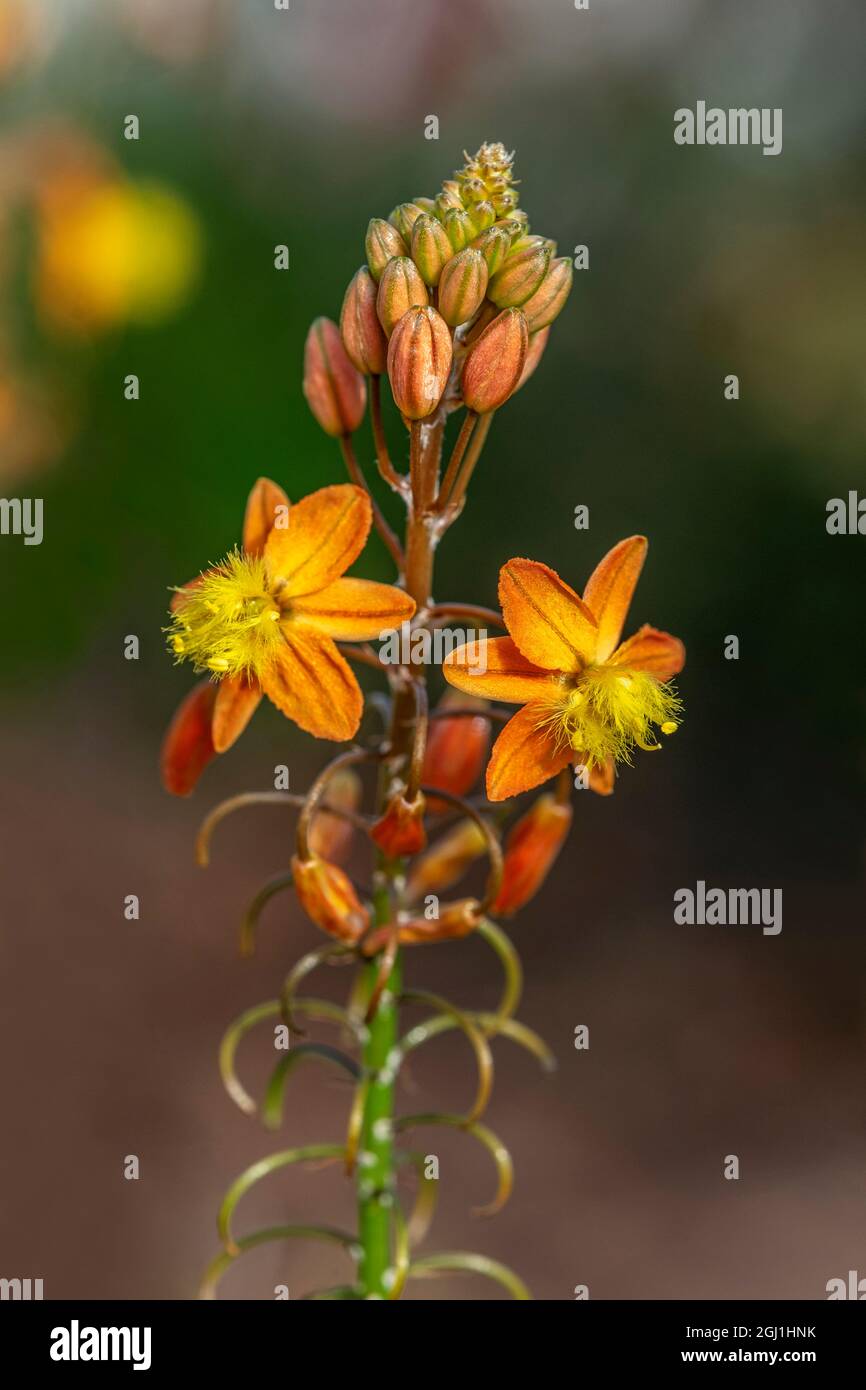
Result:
[[494, 245], [383, 243], [530, 853], [534, 354], [400, 831], [335, 390], [495, 362], [404, 218], [419, 360], [331, 835], [459, 228], [519, 278], [360, 328], [328, 898], [462, 286], [430, 248], [400, 288], [483, 216], [454, 920], [456, 748], [549, 299], [447, 860]]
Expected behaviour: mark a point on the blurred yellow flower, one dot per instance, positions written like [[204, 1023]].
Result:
[[112, 251]]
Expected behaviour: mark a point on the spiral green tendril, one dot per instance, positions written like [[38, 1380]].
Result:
[[465, 1262], [272, 1105], [262, 1169], [490, 1141], [225, 1259]]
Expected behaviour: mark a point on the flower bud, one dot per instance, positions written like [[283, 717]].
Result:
[[188, 744], [530, 852], [400, 288], [528, 242], [330, 835], [514, 226], [419, 360], [328, 898], [483, 215], [459, 228], [549, 299], [495, 361], [534, 354], [454, 920], [430, 248], [383, 243], [445, 201], [456, 748], [485, 316], [336, 392], [360, 328], [447, 860], [473, 190], [494, 245], [401, 829], [519, 278], [462, 286], [404, 217], [425, 204]]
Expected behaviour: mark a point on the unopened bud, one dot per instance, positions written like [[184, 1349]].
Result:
[[515, 226], [425, 204], [519, 278], [331, 834], [549, 299], [459, 228], [360, 328], [430, 248], [446, 861], [454, 920], [530, 852], [533, 242], [400, 288], [335, 390], [534, 354], [483, 215], [326, 894], [494, 245], [462, 286], [456, 747], [383, 243], [495, 361], [445, 201], [401, 829], [419, 360], [485, 316], [473, 190], [404, 217]]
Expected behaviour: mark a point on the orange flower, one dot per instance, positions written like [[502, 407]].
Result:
[[587, 698], [326, 894], [264, 622]]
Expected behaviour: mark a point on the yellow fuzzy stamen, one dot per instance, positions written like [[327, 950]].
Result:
[[228, 624], [609, 711]]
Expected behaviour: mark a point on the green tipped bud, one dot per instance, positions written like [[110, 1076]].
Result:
[[383, 242], [443, 202], [452, 188], [494, 245], [430, 248], [548, 301], [462, 286], [336, 392], [525, 243], [483, 216], [519, 278], [425, 204], [494, 364], [360, 328], [505, 201], [534, 354], [474, 191], [404, 217], [400, 288], [419, 361], [459, 228]]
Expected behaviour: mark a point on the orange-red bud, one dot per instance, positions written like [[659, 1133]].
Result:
[[454, 920], [419, 360], [430, 248], [446, 861], [400, 288], [328, 898], [331, 835], [535, 352], [530, 852], [383, 242], [401, 829], [495, 362], [360, 328], [335, 390], [462, 286], [548, 300], [456, 747], [519, 278]]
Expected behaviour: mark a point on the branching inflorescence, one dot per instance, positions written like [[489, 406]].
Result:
[[454, 306]]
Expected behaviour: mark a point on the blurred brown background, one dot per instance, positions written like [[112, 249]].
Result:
[[259, 128]]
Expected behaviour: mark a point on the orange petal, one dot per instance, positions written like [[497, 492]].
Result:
[[550, 623], [188, 747], [609, 591], [263, 511], [662, 655], [602, 776], [496, 668], [326, 532], [524, 755], [310, 682], [327, 896], [531, 850], [354, 609], [236, 702]]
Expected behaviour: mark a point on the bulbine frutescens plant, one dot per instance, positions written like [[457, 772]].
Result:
[[454, 307]]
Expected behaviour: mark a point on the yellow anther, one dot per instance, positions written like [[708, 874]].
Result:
[[670, 726], [218, 664], [177, 643]]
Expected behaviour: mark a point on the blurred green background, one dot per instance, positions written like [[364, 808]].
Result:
[[296, 128]]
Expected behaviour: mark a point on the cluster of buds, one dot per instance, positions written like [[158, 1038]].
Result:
[[455, 302]]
